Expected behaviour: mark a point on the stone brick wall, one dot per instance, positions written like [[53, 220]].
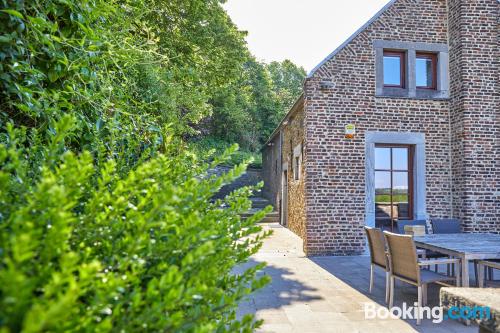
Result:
[[475, 107], [293, 136], [271, 171], [335, 166]]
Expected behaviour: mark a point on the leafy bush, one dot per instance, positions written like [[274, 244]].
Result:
[[107, 221], [86, 248]]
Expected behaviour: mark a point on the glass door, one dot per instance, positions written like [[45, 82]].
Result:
[[393, 185]]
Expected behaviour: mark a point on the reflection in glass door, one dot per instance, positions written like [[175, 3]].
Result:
[[393, 185]]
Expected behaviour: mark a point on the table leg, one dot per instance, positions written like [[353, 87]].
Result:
[[465, 272], [480, 275]]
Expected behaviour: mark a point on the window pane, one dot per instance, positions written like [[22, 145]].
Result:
[[392, 70], [384, 224], [382, 194], [399, 182], [382, 186], [400, 195], [402, 210], [423, 72], [400, 158], [400, 188], [382, 182], [382, 158], [383, 211]]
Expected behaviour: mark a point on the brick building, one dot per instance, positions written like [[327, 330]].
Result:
[[420, 84]]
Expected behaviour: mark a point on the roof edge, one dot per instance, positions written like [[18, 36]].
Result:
[[299, 100], [354, 35]]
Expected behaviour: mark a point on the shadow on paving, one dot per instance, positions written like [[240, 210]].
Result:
[[358, 277], [283, 290], [327, 294], [355, 272]]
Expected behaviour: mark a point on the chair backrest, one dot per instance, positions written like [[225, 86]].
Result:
[[446, 226], [376, 244], [403, 256], [401, 225]]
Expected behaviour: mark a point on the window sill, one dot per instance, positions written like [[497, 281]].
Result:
[[388, 92], [432, 94]]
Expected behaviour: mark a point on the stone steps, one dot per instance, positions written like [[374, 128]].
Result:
[[259, 203], [272, 217]]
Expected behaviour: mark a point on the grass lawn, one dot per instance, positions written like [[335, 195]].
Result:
[[387, 198]]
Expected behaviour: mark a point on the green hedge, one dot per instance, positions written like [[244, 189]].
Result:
[[107, 221], [88, 248]]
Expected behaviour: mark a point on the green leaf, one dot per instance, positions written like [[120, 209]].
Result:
[[13, 13], [5, 39], [53, 76]]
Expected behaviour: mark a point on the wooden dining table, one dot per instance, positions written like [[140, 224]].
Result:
[[466, 246]]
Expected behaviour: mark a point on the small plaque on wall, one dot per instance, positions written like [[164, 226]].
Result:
[[350, 131]]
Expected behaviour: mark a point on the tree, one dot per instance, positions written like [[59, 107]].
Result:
[[108, 223], [248, 110], [287, 81]]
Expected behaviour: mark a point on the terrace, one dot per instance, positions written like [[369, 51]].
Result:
[[328, 294]]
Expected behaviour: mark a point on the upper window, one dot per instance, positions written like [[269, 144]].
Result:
[[425, 70], [394, 69], [411, 70]]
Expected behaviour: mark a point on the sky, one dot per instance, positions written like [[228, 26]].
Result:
[[304, 31]]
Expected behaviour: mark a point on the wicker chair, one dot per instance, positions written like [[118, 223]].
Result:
[[445, 226], [405, 266], [429, 254], [402, 223], [378, 256], [448, 226]]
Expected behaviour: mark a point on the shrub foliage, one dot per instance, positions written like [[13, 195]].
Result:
[[107, 221]]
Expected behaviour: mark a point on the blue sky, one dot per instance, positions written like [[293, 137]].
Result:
[[304, 31]]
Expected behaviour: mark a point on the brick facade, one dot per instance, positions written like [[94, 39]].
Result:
[[461, 133], [475, 107]]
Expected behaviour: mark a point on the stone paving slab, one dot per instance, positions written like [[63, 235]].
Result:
[[327, 294]]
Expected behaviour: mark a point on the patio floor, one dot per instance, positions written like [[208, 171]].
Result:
[[327, 294]]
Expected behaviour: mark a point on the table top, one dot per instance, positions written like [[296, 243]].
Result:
[[485, 246]]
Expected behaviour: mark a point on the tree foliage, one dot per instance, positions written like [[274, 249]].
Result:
[[106, 219], [251, 107]]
